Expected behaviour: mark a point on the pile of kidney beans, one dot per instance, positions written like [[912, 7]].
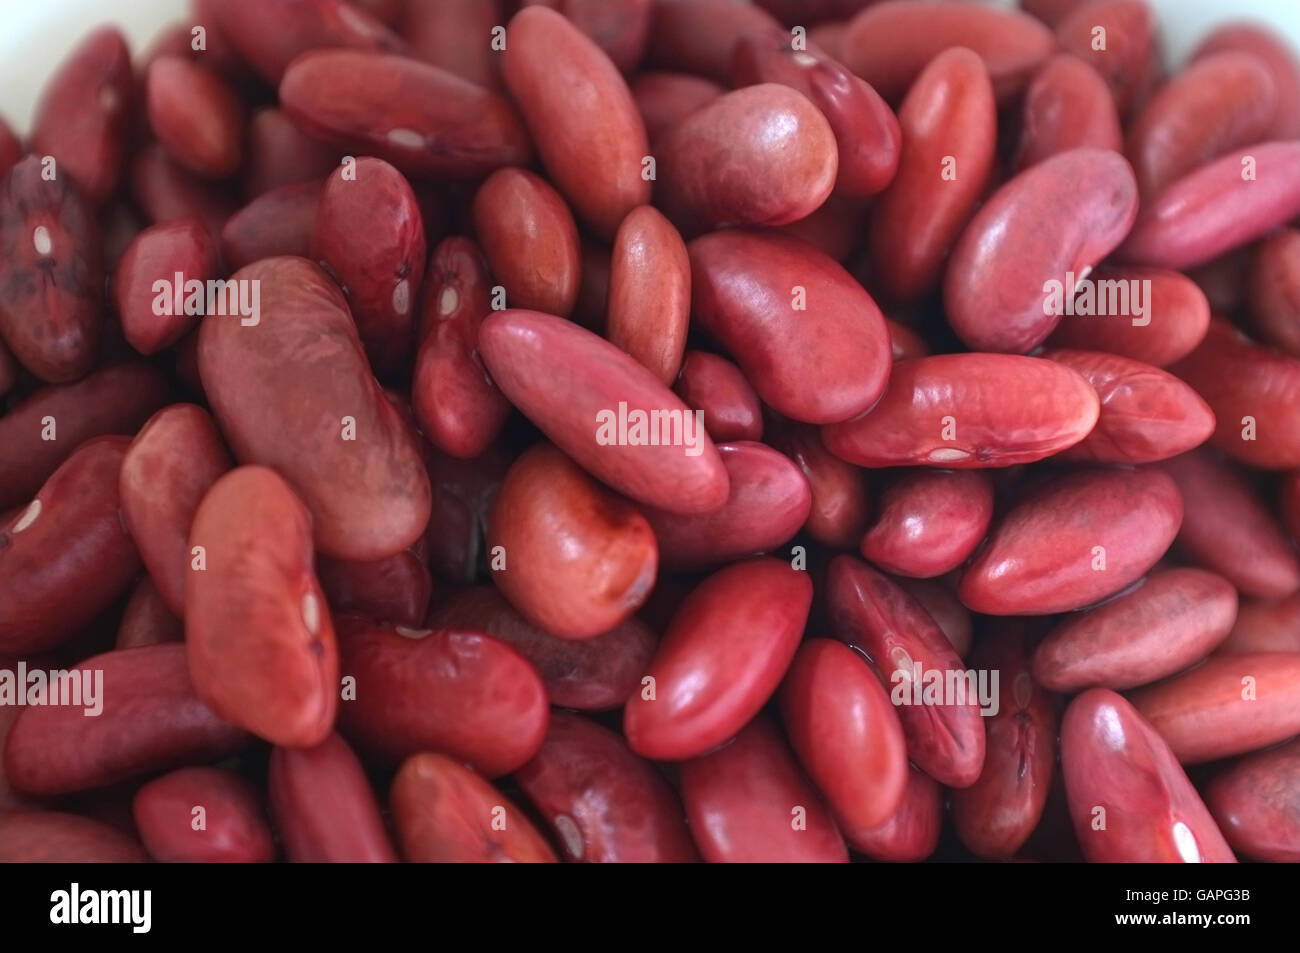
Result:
[[364, 582]]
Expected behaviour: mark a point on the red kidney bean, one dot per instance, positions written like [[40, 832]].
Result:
[[176, 253], [722, 657], [279, 222], [937, 599], [699, 36], [147, 619], [324, 807], [749, 802], [152, 720], [1274, 290], [575, 559], [279, 154], [1276, 55], [1067, 106], [928, 522], [203, 815], [575, 386], [463, 494], [50, 272], [839, 506], [446, 690], [716, 387], [665, 99], [1049, 223], [394, 589], [445, 813], [165, 192], [196, 116], [1272, 626], [438, 30], [11, 149], [1227, 705], [1227, 528], [649, 293], [1129, 798], [969, 410], [530, 239], [83, 118], [1128, 51], [1255, 804], [50, 837], [619, 27], [889, 44], [912, 832]]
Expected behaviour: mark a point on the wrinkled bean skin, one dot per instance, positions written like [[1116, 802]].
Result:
[[579, 559], [1227, 705], [1255, 803], [717, 387], [649, 303], [912, 832], [324, 807], [743, 799], [619, 27], [463, 494], [840, 502], [581, 115], [530, 239], [1274, 289], [279, 155], [437, 31], [1006, 409], [762, 155], [152, 720], [872, 615], [65, 557], [1277, 56], [665, 99], [1067, 106], [158, 254], [1175, 618], [942, 605], [1130, 51], [445, 813], [50, 837], [564, 378], [1264, 626], [1042, 556], [235, 830], [1114, 760], [603, 803], [742, 297], [279, 222], [196, 116], [147, 619], [369, 495], [50, 274], [928, 522], [949, 116], [260, 639], [700, 36], [720, 660], [454, 691], [394, 589], [167, 470], [1062, 216]]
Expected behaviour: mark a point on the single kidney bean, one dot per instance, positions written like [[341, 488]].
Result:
[[1129, 798], [1049, 223], [1255, 803], [530, 239], [935, 596], [437, 32], [51, 837], [699, 36], [1264, 626], [50, 273], [197, 117], [83, 117], [619, 27], [1276, 55], [576, 559], [1117, 38], [279, 154], [649, 303], [749, 802], [345, 448], [1274, 290], [445, 813], [723, 655], [912, 832], [1227, 705], [445, 690], [576, 387], [969, 410], [762, 155], [928, 522], [394, 589], [840, 504], [324, 807], [789, 313], [279, 222], [425, 121], [167, 470], [176, 253], [718, 388], [889, 44], [665, 99], [147, 619], [463, 494], [1228, 528], [1067, 106], [165, 192], [66, 556], [203, 815], [872, 615], [152, 720]]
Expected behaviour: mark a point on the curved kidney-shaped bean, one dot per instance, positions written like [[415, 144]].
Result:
[[1173, 619], [260, 639], [665, 99], [437, 31], [165, 192], [912, 832], [578, 560], [324, 806], [928, 522], [1227, 705], [154, 319], [166, 472], [649, 303], [445, 813], [152, 720], [51, 837], [788, 314], [279, 222], [1067, 106], [942, 605], [394, 589], [203, 815], [969, 410], [721, 659], [1051, 222], [463, 494], [147, 619], [1129, 51], [603, 409], [699, 37], [343, 446], [1280, 60], [1272, 626], [280, 154], [581, 115], [1078, 539], [446, 690], [197, 117], [1257, 804], [840, 504], [718, 388], [1129, 798], [1274, 290], [871, 614], [762, 155], [603, 803]]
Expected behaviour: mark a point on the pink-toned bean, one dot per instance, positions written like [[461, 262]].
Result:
[[176, 252], [1276, 55], [829, 35], [717, 387], [1130, 52], [928, 522], [1067, 106], [1255, 803], [279, 154], [455, 35], [619, 27], [233, 828], [942, 605], [394, 589], [463, 494], [50, 837], [1272, 626], [197, 117], [699, 36], [649, 303], [840, 504], [912, 832], [147, 619], [665, 99], [165, 192], [279, 222], [1274, 290]]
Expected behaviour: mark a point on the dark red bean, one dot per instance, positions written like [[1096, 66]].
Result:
[[176, 254], [718, 388], [928, 522], [197, 117], [394, 589], [279, 222], [203, 815], [49, 837]]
